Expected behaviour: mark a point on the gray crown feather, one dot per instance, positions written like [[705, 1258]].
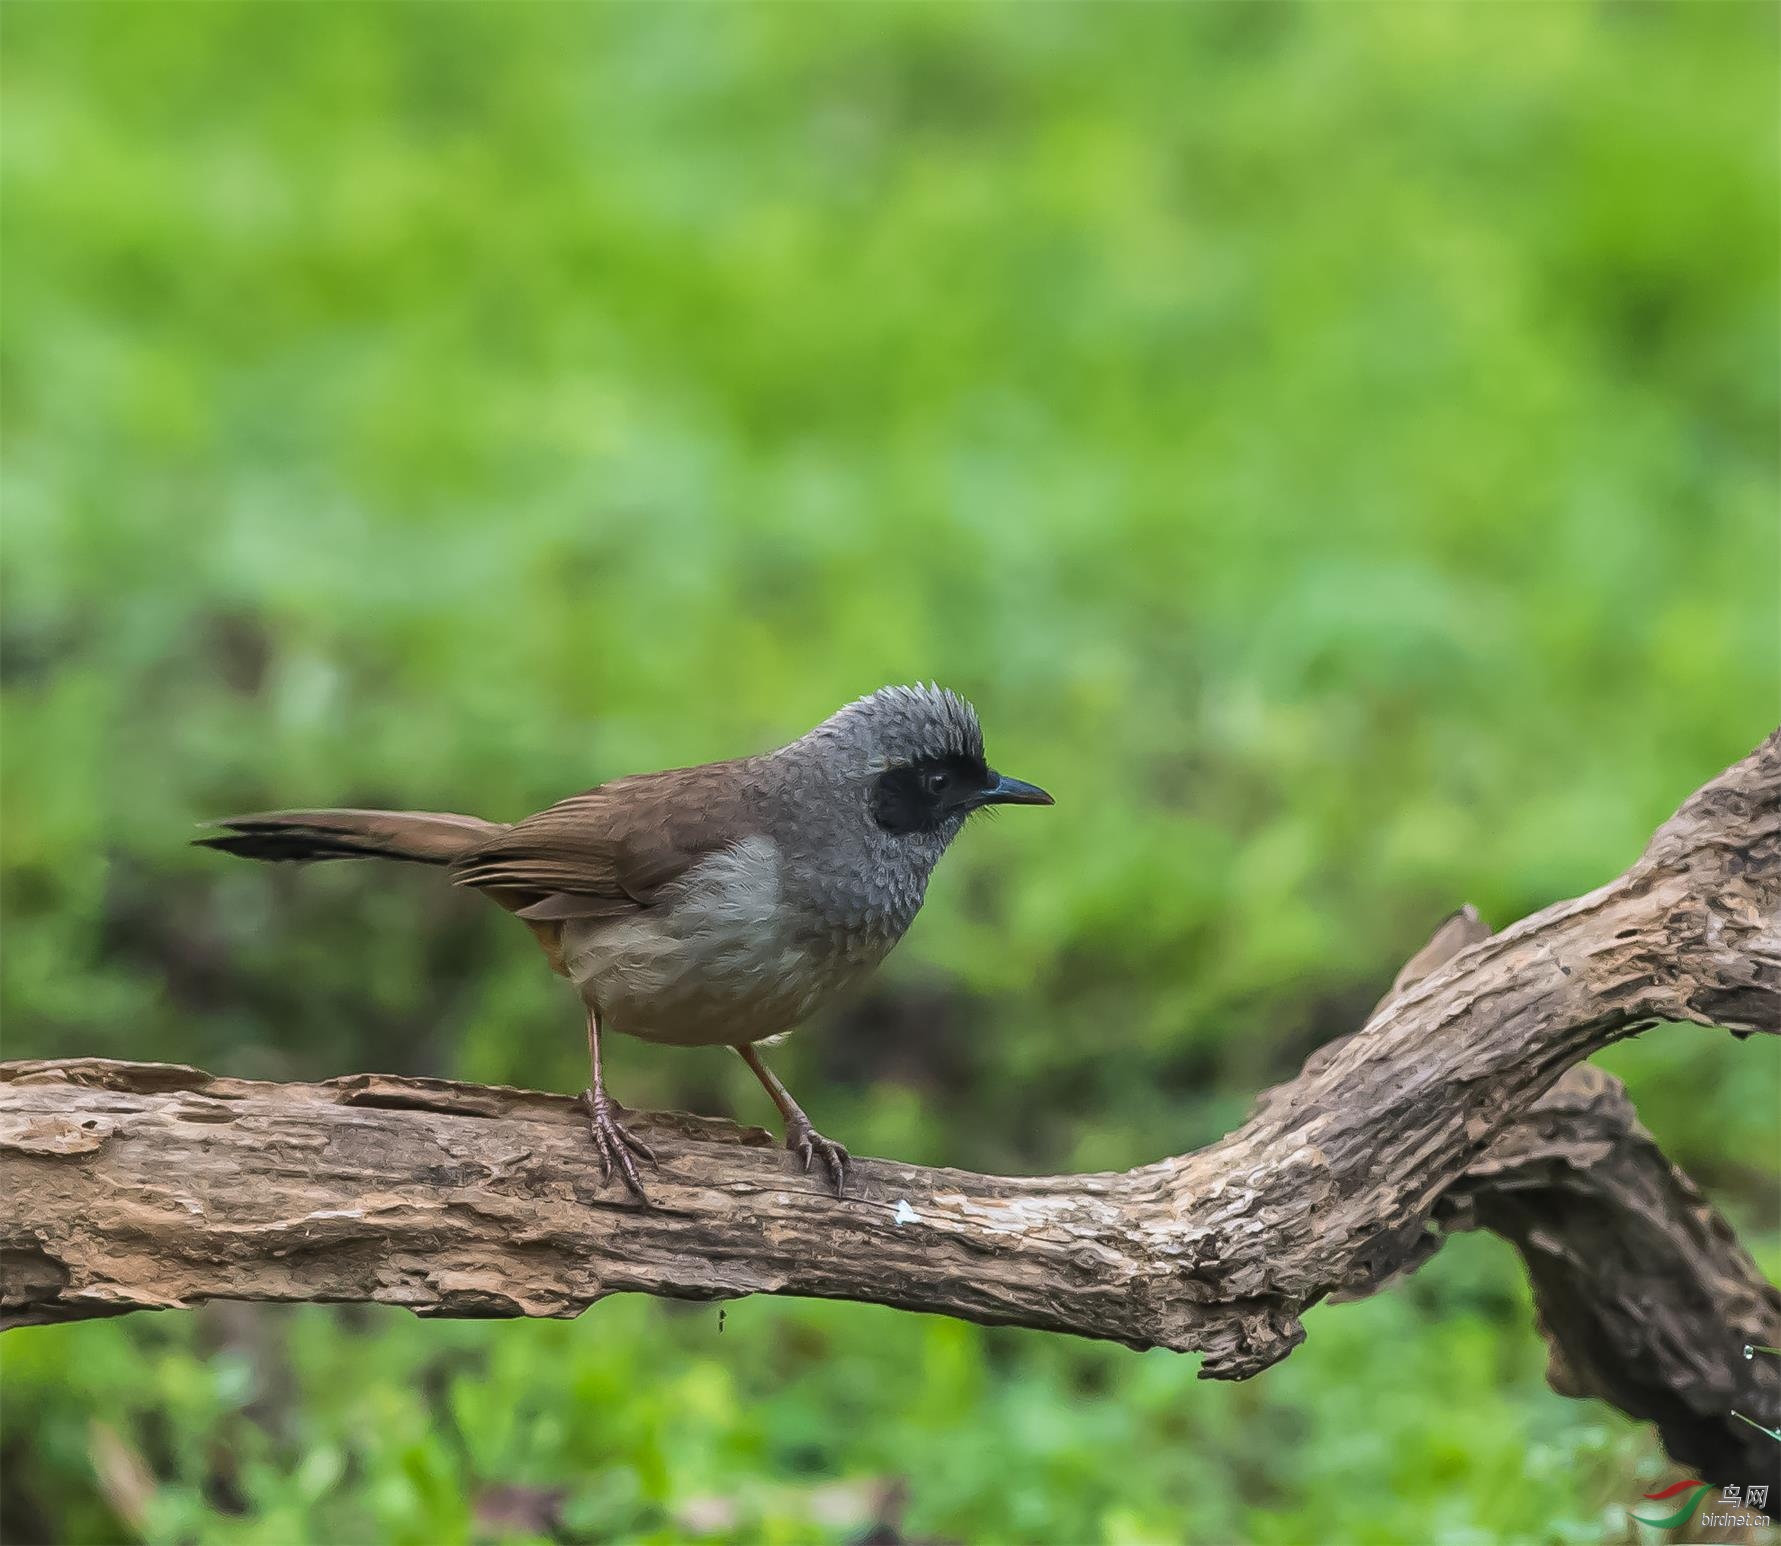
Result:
[[903, 724]]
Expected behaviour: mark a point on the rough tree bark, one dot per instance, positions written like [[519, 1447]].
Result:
[[132, 1186], [1643, 1293]]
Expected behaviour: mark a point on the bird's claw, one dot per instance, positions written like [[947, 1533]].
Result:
[[808, 1144], [615, 1144]]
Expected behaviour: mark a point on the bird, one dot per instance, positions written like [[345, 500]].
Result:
[[717, 905]]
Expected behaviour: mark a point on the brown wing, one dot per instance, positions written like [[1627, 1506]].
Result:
[[613, 849]]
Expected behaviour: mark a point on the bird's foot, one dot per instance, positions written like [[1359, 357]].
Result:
[[616, 1143], [807, 1143]]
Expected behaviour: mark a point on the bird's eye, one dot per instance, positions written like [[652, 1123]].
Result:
[[936, 782]]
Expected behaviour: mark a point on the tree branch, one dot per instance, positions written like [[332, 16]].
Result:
[[140, 1185], [1642, 1291]]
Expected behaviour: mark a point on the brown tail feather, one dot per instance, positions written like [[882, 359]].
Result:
[[420, 837]]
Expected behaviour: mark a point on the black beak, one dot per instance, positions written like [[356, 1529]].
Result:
[[1012, 791]]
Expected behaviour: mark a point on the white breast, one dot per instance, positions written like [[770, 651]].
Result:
[[718, 960]]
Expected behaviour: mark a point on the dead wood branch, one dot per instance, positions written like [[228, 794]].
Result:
[[138, 1185], [1642, 1291]]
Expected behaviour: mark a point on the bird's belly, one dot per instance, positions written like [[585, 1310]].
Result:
[[704, 988], [722, 964]]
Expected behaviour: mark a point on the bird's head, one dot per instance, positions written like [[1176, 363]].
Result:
[[919, 751]]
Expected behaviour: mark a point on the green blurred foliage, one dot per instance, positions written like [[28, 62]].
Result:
[[1336, 447]]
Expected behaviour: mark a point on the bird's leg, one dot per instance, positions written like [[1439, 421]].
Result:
[[615, 1144], [800, 1137]]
